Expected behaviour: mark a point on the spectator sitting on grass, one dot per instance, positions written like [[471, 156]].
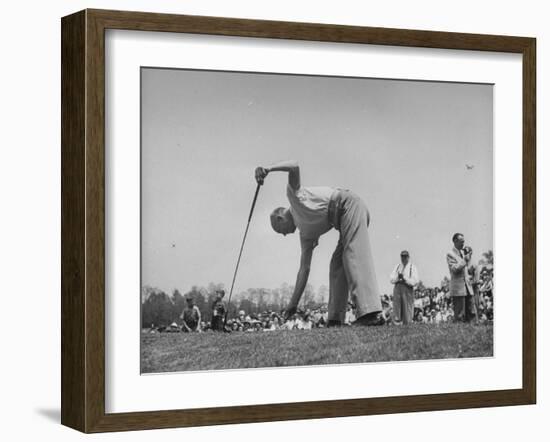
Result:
[[298, 323], [387, 312], [275, 323], [350, 316], [307, 324], [191, 317], [438, 317], [289, 323]]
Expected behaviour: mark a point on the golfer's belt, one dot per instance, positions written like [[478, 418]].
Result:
[[335, 209]]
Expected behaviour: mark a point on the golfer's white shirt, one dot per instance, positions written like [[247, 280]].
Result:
[[309, 208]]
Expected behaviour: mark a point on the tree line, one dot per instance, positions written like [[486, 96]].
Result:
[[159, 308]]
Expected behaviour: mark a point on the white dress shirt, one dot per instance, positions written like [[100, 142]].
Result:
[[409, 271]]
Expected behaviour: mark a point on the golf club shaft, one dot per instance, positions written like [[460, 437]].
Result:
[[241, 252]]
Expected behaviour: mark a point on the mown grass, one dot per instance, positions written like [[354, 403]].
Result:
[[167, 352]]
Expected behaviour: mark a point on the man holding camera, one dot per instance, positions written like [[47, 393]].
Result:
[[404, 277], [460, 288]]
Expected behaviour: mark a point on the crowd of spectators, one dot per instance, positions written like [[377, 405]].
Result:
[[267, 321], [434, 305], [431, 305]]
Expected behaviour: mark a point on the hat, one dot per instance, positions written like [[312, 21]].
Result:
[[404, 253]]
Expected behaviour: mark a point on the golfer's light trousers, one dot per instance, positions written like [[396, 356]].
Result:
[[352, 265]]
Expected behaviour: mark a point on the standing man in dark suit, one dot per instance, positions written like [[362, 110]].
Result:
[[459, 287], [218, 311]]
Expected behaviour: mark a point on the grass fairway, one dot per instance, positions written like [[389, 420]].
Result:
[[166, 352]]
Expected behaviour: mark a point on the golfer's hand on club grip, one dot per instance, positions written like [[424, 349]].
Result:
[[260, 174]]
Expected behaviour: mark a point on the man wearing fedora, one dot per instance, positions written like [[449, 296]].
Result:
[[314, 211], [404, 277]]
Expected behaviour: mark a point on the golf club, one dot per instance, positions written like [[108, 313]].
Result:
[[240, 253]]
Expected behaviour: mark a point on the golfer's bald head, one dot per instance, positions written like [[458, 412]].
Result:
[[282, 221], [276, 217]]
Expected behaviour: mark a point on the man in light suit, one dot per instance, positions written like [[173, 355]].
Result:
[[459, 287]]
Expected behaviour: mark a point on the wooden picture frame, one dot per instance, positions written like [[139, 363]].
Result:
[[83, 220]]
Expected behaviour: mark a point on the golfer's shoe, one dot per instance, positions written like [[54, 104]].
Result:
[[370, 319]]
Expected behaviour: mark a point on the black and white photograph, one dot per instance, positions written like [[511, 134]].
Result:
[[302, 220]]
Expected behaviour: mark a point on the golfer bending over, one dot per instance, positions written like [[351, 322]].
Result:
[[314, 211]]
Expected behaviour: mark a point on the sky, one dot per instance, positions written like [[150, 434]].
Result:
[[402, 146]]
